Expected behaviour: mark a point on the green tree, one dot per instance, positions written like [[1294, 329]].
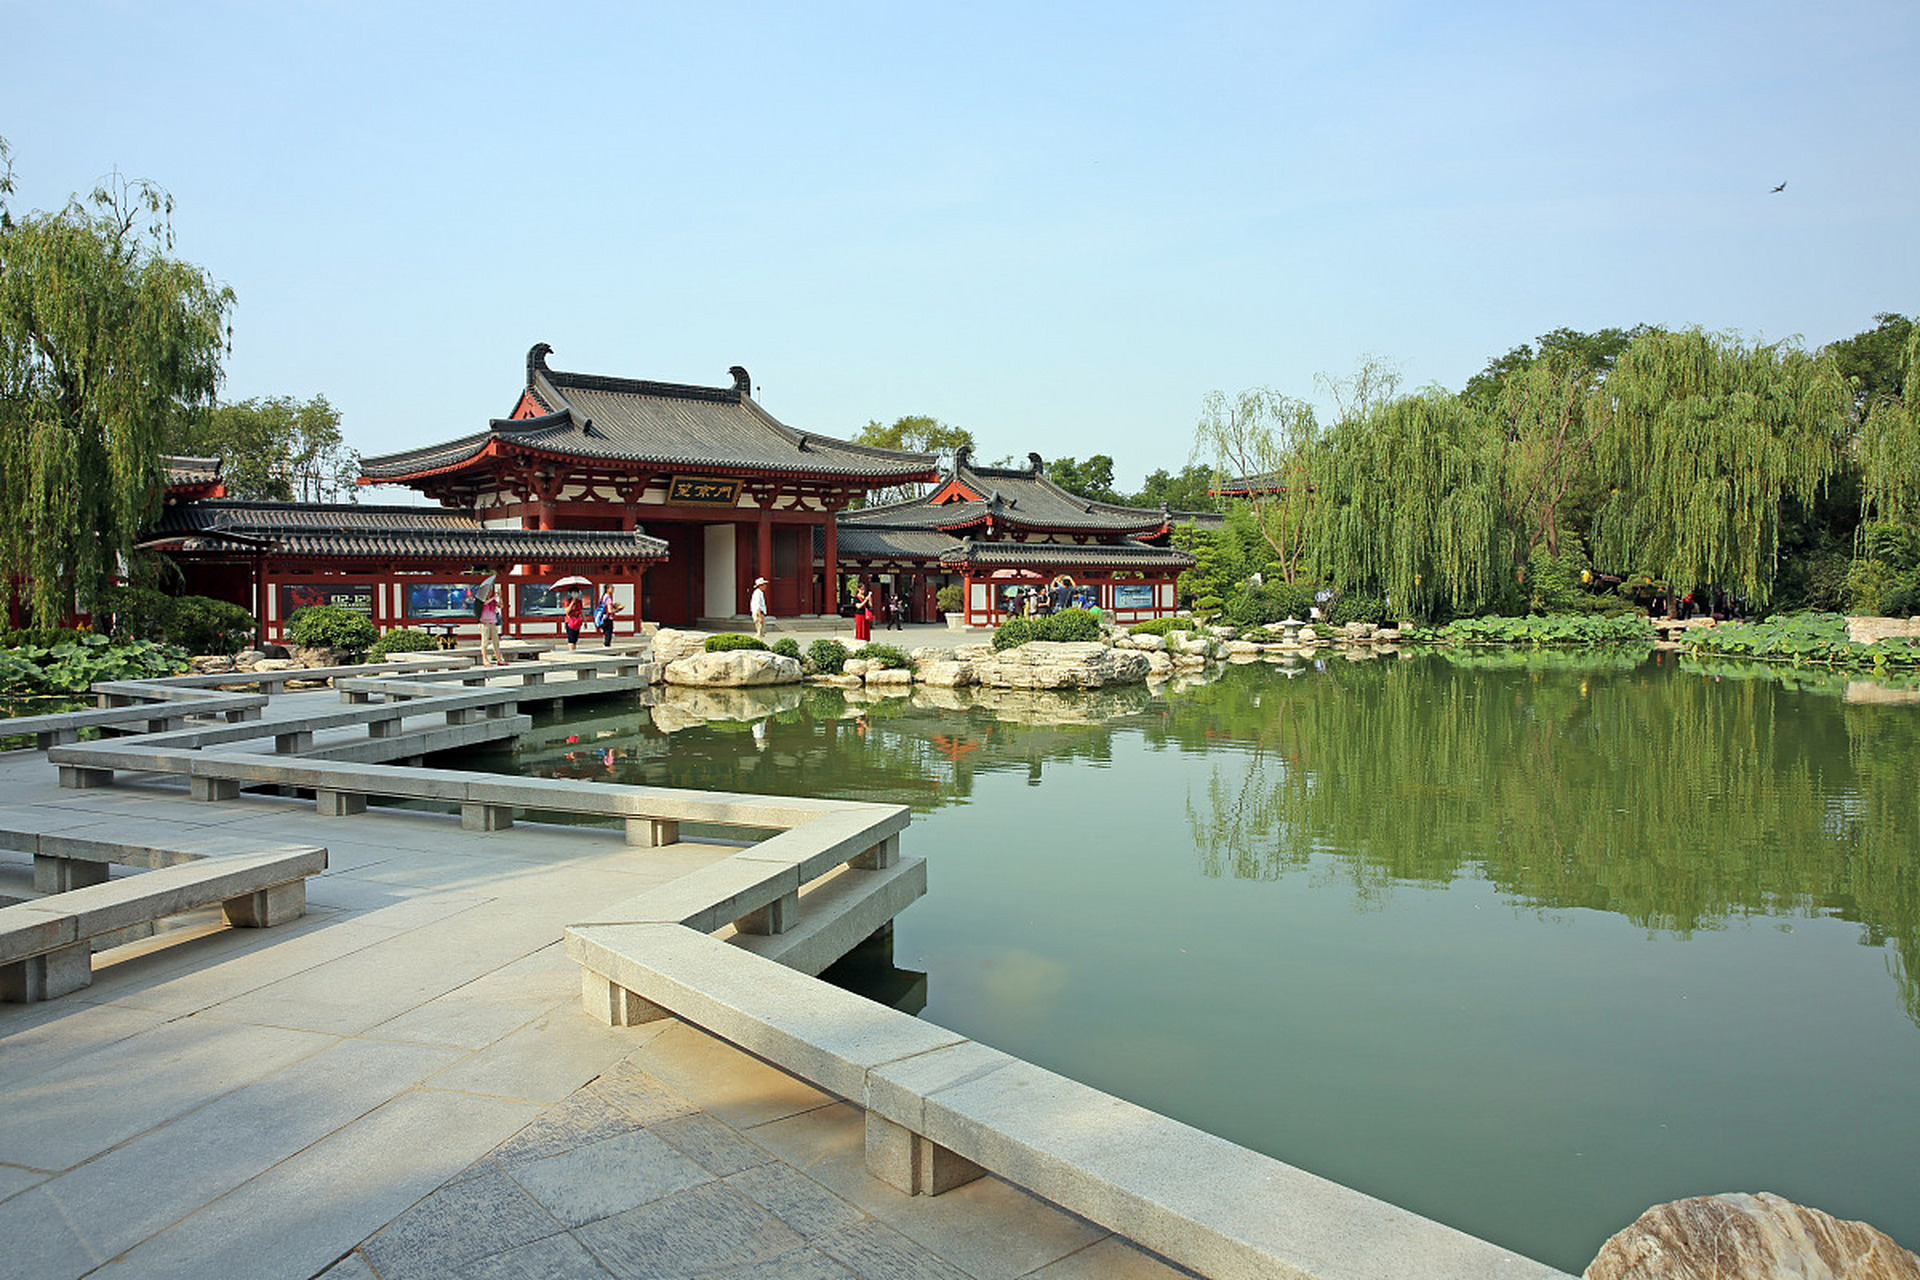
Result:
[[1092, 479], [1888, 448], [1875, 360], [1564, 349], [1549, 430], [1707, 438], [106, 344], [916, 433], [1408, 501], [1189, 490], [279, 449], [1263, 443]]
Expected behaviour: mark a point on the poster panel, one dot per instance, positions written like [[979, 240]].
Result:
[[534, 600], [357, 596], [1133, 595], [440, 600]]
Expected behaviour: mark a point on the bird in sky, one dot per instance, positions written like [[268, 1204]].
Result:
[[1777, 190]]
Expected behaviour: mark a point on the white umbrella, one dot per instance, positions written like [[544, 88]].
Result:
[[573, 580]]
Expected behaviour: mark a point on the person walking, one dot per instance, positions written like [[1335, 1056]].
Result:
[[490, 628], [574, 618], [758, 607], [603, 615]]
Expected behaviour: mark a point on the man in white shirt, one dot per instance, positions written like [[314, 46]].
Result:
[[759, 607]]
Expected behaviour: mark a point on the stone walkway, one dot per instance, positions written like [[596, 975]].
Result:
[[402, 1084]]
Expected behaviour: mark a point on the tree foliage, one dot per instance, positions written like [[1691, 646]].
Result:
[[106, 344], [1876, 360], [278, 449], [1263, 443], [1564, 349], [1889, 448], [1706, 438], [1189, 489], [1408, 501], [1092, 479], [916, 433]]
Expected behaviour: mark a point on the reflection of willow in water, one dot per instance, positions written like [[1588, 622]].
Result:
[[1674, 799], [923, 751]]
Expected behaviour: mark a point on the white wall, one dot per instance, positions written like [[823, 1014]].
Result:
[[721, 600]]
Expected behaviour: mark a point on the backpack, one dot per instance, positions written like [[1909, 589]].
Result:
[[600, 615]]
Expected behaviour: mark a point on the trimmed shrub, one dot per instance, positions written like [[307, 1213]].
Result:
[[828, 657], [887, 656], [402, 640], [1015, 632], [1250, 607], [1902, 598], [328, 626], [1070, 624], [787, 647], [951, 598], [1350, 606], [729, 640], [1162, 626], [202, 624]]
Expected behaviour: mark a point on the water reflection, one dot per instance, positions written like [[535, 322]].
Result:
[[1679, 795]]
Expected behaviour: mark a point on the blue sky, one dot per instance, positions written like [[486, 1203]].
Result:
[[1059, 226]]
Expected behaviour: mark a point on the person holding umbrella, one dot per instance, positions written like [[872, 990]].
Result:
[[575, 616]]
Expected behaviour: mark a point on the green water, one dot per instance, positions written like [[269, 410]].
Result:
[[1526, 944]]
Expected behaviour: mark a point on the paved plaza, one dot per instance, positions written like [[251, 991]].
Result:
[[402, 1083]]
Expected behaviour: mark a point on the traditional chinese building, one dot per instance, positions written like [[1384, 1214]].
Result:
[[400, 566], [731, 491], [1002, 531]]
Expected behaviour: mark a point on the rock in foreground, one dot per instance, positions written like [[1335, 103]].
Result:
[[1052, 664], [734, 668], [1749, 1237]]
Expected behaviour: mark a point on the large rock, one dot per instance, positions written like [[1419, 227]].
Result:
[[1145, 643], [1243, 648], [670, 645], [1159, 665], [1749, 1237], [889, 676], [734, 668], [1049, 664], [1198, 647], [945, 675]]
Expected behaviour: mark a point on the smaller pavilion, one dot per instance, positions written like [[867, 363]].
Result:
[[1002, 531], [400, 566]]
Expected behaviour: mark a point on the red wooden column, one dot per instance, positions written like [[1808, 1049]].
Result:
[[765, 556], [832, 603]]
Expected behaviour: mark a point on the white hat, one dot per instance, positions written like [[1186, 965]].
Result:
[[759, 582]]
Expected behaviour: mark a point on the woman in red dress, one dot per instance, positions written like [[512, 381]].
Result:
[[863, 613]]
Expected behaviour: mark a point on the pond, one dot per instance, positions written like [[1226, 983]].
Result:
[[1523, 942]]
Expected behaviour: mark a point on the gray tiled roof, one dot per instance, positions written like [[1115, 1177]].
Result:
[[661, 424], [1126, 554], [347, 529], [182, 469], [1016, 498], [858, 542]]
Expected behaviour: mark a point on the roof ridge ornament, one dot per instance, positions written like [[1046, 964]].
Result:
[[537, 360], [1039, 464], [741, 382]]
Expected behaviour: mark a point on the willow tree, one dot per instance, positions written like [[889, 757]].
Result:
[[105, 341], [1550, 432], [1407, 500], [1706, 438], [1261, 443], [1889, 449]]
